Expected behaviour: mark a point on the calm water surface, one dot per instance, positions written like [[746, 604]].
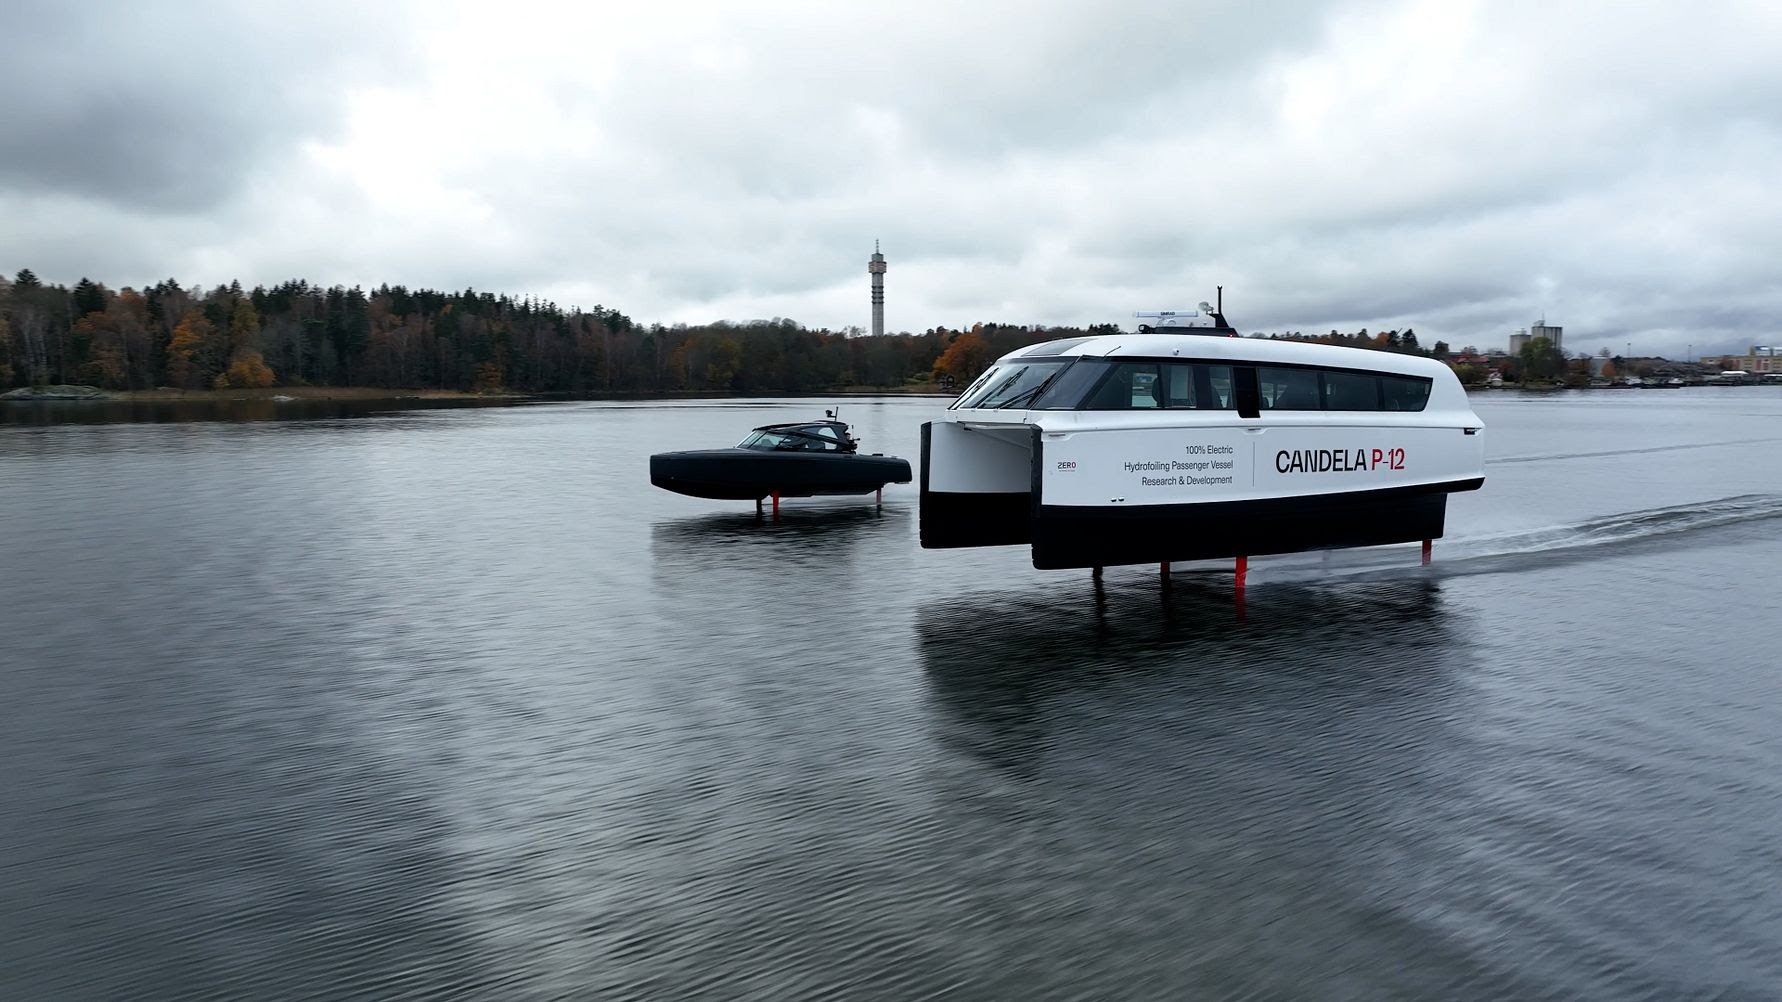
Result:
[[452, 703]]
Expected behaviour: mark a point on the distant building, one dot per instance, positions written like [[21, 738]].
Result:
[[1518, 341], [1761, 359], [1553, 334]]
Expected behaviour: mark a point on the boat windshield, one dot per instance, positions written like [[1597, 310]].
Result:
[[817, 438], [1013, 386]]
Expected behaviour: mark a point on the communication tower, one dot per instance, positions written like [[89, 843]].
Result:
[[876, 268]]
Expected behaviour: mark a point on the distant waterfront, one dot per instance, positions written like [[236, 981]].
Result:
[[376, 393], [314, 403]]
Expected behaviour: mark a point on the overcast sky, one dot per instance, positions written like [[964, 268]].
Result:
[[1462, 168]]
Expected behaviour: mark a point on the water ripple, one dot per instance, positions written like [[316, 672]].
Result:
[[453, 706]]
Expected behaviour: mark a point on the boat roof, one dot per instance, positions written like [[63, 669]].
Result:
[[785, 425], [1225, 349]]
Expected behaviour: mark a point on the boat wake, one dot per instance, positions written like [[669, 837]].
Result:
[[1634, 531], [1692, 446]]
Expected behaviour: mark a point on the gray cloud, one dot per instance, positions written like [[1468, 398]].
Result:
[[1459, 168], [158, 108]]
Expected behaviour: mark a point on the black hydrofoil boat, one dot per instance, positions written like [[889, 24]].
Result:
[[799, 459]]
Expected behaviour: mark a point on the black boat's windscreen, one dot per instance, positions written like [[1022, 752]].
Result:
[[761, 438], [811, 438]]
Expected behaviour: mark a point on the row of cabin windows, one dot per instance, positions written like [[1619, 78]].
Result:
[[1149, 385]]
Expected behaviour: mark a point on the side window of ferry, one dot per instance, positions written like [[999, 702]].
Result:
[[1288, 389], [1404, 393], [1221, 388], [1351, 391], [1130, 386], [1202, 387]]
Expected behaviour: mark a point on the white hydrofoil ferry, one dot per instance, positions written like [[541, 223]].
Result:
[[1186, 442]]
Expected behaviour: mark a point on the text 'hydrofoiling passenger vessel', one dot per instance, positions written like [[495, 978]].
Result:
[[1186, 442]]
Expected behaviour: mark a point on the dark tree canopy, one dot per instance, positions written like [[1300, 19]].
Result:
[[297, 334], [394, 337]]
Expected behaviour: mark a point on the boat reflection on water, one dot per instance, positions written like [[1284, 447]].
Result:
[[732, 554], [1051, 669], [1185, 790], [793, 528]]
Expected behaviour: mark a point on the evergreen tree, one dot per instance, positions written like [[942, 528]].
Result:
[[88, 298]]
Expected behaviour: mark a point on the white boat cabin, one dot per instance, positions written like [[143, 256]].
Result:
[[1155, 446]]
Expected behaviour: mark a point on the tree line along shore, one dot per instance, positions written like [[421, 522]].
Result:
[[172, 342]]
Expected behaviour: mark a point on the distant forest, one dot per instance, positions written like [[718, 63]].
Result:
[[298, 334]]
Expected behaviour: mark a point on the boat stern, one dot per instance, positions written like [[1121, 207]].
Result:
[[976, 484]]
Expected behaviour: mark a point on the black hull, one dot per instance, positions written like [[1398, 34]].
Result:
[[749, 475], [950, 520], [1094, 537]]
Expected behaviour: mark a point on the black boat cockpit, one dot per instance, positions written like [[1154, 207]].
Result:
[[807, 436]]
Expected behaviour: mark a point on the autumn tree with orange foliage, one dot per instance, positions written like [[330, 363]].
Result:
[[966, 357], [247, 371], [185, 351], [247, 367]]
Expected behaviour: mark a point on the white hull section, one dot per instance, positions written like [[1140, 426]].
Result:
[[1196, 464]]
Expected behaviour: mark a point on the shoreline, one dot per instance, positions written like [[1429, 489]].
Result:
[[373, 394], [299, 393], [379, 394]]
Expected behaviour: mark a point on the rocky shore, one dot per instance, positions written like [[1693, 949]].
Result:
[[58, 392]]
